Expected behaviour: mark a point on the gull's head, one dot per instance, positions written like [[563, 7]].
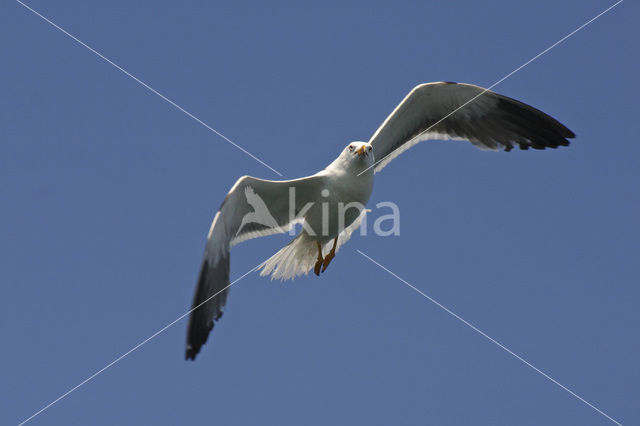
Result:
[[355, 158], [359, 149], [358, 155]]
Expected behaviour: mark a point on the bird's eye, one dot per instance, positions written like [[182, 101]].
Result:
[[350, 147], [369, 148]]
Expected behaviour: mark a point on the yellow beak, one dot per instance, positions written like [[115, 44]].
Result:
[[362, 150]]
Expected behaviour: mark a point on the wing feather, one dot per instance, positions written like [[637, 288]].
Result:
[[464, 112], [253, 208]]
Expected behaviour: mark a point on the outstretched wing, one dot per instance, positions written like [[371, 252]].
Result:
[[488, 120], [253, 208]]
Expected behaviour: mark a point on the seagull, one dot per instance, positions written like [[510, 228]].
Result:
[[331, 203]]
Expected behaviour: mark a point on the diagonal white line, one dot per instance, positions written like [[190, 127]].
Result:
[[483, 334], [505, 77], [128, 74], [133, 349]]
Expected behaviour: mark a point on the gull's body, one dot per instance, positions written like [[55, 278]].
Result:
[[330, 203]]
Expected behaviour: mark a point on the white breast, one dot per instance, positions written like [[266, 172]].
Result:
[[341, 202]]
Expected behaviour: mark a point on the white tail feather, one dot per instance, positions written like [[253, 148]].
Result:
[[300, 255], [296, 258]]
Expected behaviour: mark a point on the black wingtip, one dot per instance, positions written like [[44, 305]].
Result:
[[197, 337], [207, 307], [191, 353], [538, 128]]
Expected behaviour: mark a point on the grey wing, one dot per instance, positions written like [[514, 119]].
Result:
[[488, 120], [253, 208]]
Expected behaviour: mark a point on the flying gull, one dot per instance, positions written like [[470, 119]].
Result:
[[256, 207]]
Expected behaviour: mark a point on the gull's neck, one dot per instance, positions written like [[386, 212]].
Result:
[[343, 166]]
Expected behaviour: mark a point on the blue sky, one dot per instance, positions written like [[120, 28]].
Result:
[[108, 191]]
